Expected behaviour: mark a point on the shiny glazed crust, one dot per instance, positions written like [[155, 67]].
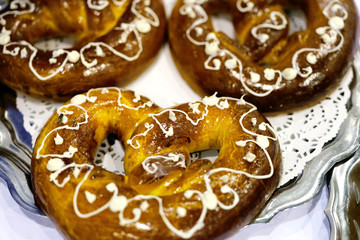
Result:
[[163, 195], [115, 42], [277, 71]]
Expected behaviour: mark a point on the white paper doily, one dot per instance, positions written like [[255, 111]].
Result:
[[302, 134]]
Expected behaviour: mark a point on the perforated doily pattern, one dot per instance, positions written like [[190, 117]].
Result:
[[302, 134]]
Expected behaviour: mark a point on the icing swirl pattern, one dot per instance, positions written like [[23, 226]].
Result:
[[110, 36], [275, 71], [163, 195]]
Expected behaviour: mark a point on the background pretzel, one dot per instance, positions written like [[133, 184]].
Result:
[[163, 195], [276, 69], [115, 41]]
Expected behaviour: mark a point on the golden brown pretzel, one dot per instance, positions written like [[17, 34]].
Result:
[[115, 41], [163, 195], [275, 71]]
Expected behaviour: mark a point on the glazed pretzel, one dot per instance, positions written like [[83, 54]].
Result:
[[163, 195], [276, 70], [116, 40]]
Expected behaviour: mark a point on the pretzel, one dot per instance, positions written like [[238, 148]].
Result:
[[276, 69], [163, 195], [115, 41]]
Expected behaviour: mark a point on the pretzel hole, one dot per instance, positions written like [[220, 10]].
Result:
[[210, 154], [297, 18], [55, 43], [110, 155], [222, 22]]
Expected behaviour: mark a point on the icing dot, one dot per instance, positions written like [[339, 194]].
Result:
[[269, 74], [188, 194], [240, 143], [118, 203], [76, 172], [199, 31], [210, 101], [74, 56], [262, 126], [52, 60], [195, 107], [254, 77], [55, 164], [224, 178], [210, 200], [311, 58], [211, 48], [78, 99], [172, 116], [99, 51], [169, 132], [263, 37], [104, 90], [289, 73], [253, 121], [23, 53], [180, 212], [217, 63], [111, 187], [230, 63], [224, 104], [225, 189], [250, 157], [262, 141], [143, 26], [144, 205], [326, 38], [4, 38], [320, 30], [64, 119], [58, 52], [90, 197], [336, 22], [58, 139]]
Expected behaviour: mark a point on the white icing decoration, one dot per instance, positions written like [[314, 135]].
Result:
[[19, 7], [210, 101], [250, 157], [172, 116], [90, 197], [52, 60], [249, 5], [143, 26], [210, 200], [263, 37], [74, 56], [240, 143], [180, 212], [55, 164], [254, 77], [78, 99], [336, 22], [253, 121], [278, 21], [58, 139], [262, 126], [269, 74], [199, 31], [311, 58], [23, 53], [262, 141], [230, 63], [144, 206], [289, 73], [119, 203]]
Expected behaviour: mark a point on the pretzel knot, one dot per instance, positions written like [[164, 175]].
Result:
[[277, 60], [106, 43], [163, 195]]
